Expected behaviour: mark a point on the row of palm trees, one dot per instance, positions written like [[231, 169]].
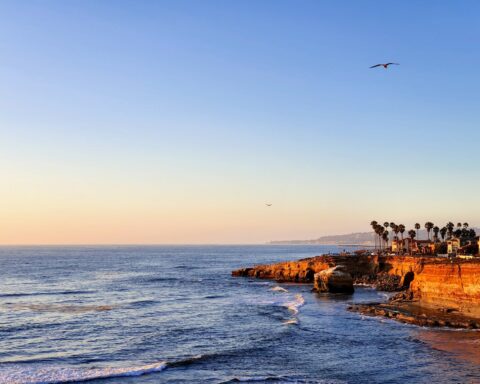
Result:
[[381, 234]]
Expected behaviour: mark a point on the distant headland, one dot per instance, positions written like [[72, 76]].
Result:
[[362, 239], [359, 238]]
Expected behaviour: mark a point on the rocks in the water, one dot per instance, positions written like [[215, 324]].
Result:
[[411, 313], [334, 280]]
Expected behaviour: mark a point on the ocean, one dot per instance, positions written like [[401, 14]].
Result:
[[174, 314]]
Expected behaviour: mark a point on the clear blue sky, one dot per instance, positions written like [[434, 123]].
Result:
[[174, 121]]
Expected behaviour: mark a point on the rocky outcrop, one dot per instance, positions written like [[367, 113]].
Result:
[[434, 283], [388, 271], [333, 280], [412, 312], [303, 271]]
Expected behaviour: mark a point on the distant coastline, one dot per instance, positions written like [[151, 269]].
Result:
[[300, 242], [358, 239]]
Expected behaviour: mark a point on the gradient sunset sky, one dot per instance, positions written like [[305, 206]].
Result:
[[175, 121]]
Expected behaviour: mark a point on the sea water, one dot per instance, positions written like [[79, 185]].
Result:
[[158, 314]]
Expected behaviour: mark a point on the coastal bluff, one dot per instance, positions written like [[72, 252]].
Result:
[[437, 283], [363, 268]]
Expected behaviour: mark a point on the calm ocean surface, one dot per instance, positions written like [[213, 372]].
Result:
[[158, 314]]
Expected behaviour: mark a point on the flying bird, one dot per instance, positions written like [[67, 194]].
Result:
[[268, 204], [383, 65]]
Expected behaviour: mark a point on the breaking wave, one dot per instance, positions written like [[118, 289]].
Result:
[[19, 374], [279, 289], [295, 304]]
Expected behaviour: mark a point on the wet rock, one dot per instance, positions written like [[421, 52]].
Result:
[[333, 280], [409, 312]]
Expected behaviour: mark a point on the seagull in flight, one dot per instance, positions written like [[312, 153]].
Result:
[[268, 204], [383, 65]]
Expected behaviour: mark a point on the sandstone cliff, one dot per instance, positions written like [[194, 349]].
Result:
[[452, 285], [302, 271]]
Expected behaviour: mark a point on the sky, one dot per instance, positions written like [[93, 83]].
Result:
[[131, 122]]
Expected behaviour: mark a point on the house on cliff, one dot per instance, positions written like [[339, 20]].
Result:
[[462, 246], [426, 247], [452, 245]]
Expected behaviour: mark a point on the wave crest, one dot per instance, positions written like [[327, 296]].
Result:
[[279, 289], [18, 374], [294, 305]]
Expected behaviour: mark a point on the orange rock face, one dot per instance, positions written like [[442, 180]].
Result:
[[435, 282], [335, 280], [450, 285], [303, 270]]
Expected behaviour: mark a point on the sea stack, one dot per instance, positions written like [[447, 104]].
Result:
[[334, 280]]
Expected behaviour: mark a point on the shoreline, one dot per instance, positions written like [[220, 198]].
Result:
[[431, 291], [410, 312]]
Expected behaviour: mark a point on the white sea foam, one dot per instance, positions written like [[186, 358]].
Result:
[[20, 374], [386, 295], [291, 321], [278, 289], [366, 285], [295, 304]]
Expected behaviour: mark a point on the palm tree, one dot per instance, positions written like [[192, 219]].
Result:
[[392, 226], [373, 223], [443, 232], [396, 229], [465, 225], [401, 229], [412, 235], [428, 226], [450, 227], [417, 227], [435, 233], [385, 237], [378, 228], [458, 233], [380, 235], [459, 225]]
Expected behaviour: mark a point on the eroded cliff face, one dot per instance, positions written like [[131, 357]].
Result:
[[451, 285], [361, 267], [432, 282], [302, 271]]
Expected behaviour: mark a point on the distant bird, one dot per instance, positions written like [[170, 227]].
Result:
[[383, 65], [268, 204]]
